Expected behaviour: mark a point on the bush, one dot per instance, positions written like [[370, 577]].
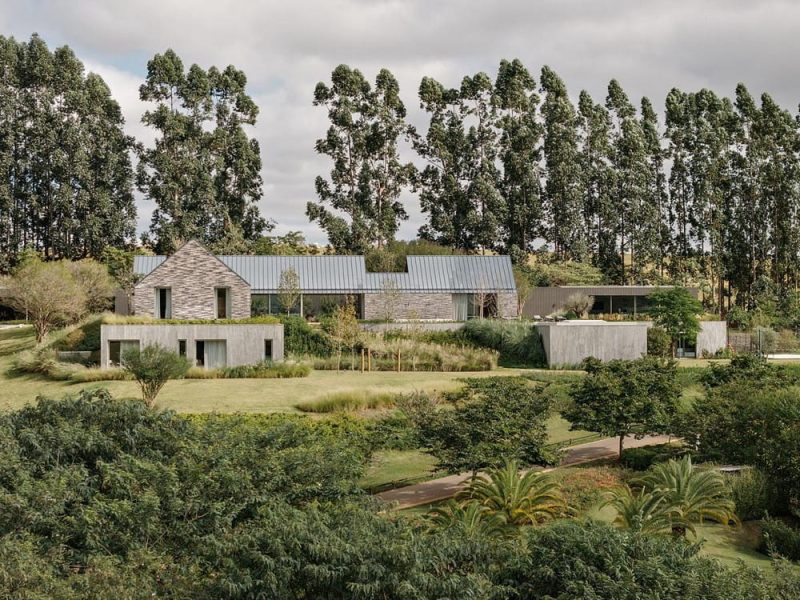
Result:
[[152, 367], [348, 402], [415, 356], [658, 342], [641, 459], [300, 338], [90, 375], [753, 495], [585, 487], [267, 370], [781, 538], [517, 342]]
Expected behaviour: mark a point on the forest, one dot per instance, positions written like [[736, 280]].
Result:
[[706, 189]]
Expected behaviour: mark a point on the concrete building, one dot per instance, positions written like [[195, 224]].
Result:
[[608, 299], [567, 343], [192, 284], [209, 346]]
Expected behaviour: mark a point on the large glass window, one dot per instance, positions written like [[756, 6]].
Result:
[[117, 349], [311, 306], [223, 303], [163, 301]]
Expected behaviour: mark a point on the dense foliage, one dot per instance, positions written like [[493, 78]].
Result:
[[104, 498], [151, 367], [625, 397], [492, 420], [67, 183]]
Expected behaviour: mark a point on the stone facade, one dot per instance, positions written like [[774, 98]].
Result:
[[507, 305], [428, 306], [193, 275]]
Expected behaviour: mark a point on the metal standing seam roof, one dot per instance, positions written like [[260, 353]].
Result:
[[348, 274]]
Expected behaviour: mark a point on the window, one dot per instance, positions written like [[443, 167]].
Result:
[[200, 353], [267, 349], [163, 303], [182, 347], [117, 349], [223, 309]]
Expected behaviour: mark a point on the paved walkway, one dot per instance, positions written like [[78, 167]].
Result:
[[447, 487]]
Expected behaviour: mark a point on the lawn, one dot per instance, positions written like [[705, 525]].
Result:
[[223, 395]]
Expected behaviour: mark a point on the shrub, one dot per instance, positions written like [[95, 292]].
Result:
[[84, 337], [517, 342], [751, 491], [267, 370], [300, 338], [394, 432], [348, 402], [152, 367], [658, 342], [585, 487], [641, 459], [781, 538], [90, 375]]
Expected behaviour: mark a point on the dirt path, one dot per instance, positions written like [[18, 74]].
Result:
[[446, 487]]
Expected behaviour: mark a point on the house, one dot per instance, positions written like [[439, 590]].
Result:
[[200, 294], [194, 284], [608, 299]]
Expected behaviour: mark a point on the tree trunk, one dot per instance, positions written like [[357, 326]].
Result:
[[621, 445]]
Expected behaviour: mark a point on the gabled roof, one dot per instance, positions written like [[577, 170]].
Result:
[[330, 274]]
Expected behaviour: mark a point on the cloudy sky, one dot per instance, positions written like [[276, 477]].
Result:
[[286, 47]]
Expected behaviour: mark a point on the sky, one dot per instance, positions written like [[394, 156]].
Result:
[[286, 47]]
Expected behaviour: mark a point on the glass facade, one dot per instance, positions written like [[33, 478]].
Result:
[[311, 306]]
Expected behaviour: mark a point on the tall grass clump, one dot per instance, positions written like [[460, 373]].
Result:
[[349, 402], [412, 355], [267, 370], [518, 342], [95, 374]]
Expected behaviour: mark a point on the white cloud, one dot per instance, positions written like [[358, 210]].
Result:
[[286, 47]]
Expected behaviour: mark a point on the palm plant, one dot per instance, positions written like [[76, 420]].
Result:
[[517, 499], [643, 512], [692, 495], [470, 520]]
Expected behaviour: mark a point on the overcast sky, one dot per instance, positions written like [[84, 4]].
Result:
[[286, 47]]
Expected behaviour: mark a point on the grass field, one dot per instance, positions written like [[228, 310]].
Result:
[[223, 395]]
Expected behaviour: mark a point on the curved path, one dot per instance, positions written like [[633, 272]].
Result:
[[447, 487]]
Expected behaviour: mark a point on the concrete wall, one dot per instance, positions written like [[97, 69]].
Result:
[[245, 342], [193, 274], [569, 342], [712, 338]]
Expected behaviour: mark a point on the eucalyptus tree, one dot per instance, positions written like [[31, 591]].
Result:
[[368, 176], [656, 184], [203, 173], [638, 222], [520, 155], [599, 212], [66, 189], [460, 186], [563, 193]]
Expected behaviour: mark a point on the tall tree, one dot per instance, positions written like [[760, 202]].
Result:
[[203, 171], [460, 185], [563, 193], [637, 223], [599, 212], [66, 189], [520, 154], [368, 176]]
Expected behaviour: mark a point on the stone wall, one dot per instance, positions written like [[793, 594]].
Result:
[[507, 305], [429, 306], [245, 341], [193, 274]]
